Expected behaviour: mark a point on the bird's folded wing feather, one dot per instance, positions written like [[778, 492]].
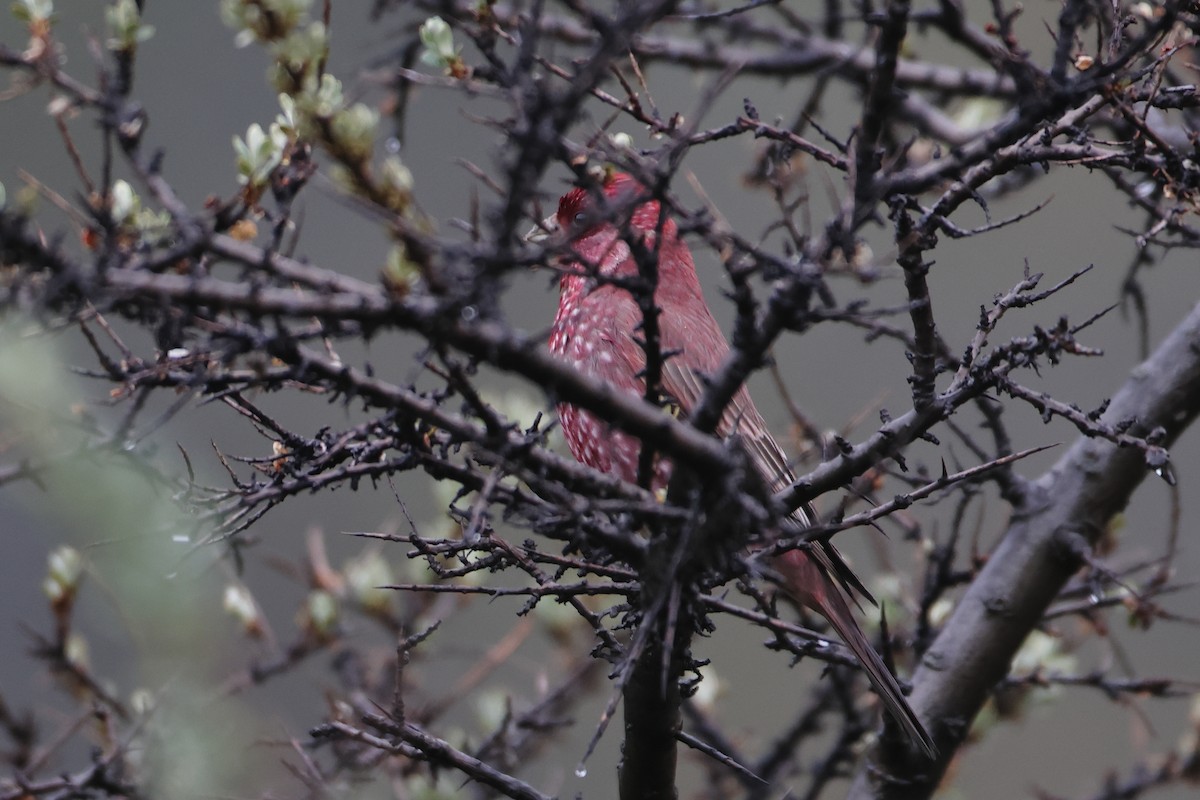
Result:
[[741, 417], [700, 341]]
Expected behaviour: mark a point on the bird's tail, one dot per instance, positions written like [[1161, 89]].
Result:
[[809, 582]]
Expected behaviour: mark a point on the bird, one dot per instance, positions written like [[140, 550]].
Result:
[[596, 330]]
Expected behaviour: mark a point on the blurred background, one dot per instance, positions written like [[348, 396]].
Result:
[[151, 608]]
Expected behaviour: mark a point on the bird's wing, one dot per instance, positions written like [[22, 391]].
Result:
[[740, 418], [695, 348]]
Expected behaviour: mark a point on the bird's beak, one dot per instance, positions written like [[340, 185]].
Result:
[[542, 232]]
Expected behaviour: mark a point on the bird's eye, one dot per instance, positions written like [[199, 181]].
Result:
[[581, 222]]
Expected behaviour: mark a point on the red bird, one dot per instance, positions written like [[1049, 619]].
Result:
[[595, 330]]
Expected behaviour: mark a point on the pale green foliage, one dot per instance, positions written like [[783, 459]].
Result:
[[621, 140], [320, 111], [259, 154], [142, 701], [33, 10], [322, 100], [125, 25], [400, 274], [124, 202], [1041, 653], [76, 652], [314, 108], [321, 612], [709, 689], [263, 20], [978, 113], [298, 56], [492, 707], [440, 50], [396, 180], [64, 568], [239, 604], [397, 176], [285, 120], [940, 611], [888, 590], [365, 576], [353, 131], [156, 586], [126, 209]]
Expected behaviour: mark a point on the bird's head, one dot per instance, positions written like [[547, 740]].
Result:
[[584, 211], [597, 224]]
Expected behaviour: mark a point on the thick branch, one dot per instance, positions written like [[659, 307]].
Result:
[[1065, 512]]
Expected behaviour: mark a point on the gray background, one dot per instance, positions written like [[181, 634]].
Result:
[[200, 90]]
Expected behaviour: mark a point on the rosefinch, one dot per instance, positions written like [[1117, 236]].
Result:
[[595, 330]]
